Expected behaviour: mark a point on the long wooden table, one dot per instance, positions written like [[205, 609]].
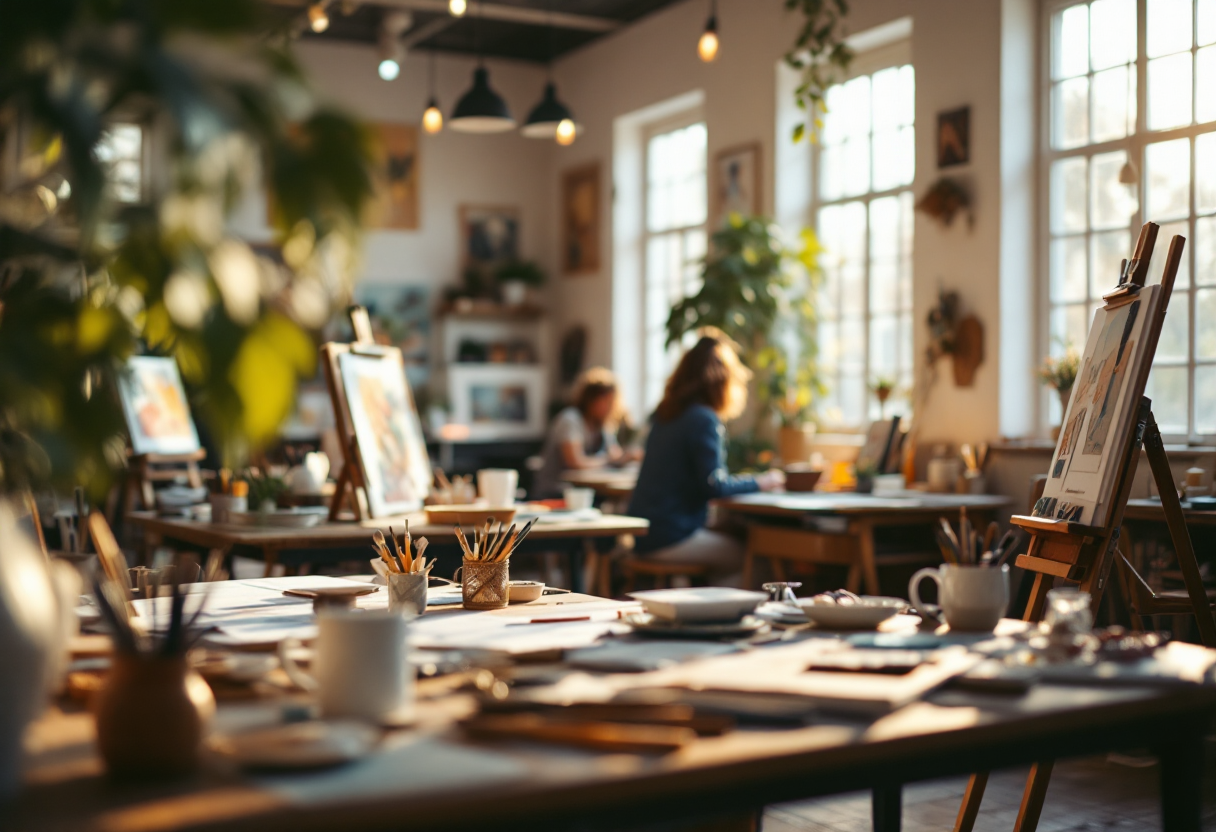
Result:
[[831, 528], [432, 778], [271, 543]]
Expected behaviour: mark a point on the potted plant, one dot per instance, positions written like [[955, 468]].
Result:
[[1060, 373], [883, 388], [514, 279]]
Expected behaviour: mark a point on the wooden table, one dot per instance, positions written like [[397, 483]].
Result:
[[271, 543], [609, 483], [431, 778], [838, 529]]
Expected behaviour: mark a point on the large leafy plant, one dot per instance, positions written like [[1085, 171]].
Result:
[[86, 280], [761, 292]]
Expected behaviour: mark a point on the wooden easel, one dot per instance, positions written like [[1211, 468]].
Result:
[[1083, 555], [350, 486], [144, 470]]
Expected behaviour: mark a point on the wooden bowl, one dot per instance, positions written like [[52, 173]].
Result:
[[801, 478], [468, 515]]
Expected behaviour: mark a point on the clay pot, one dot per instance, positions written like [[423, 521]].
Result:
[[152, 714], [794, 443]]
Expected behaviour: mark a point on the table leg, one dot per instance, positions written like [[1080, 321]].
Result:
[[575, 557], [270, 556], [1033, 797], [886, 803], [591, 566], [972, 798], [869, 564], [1182, 781]]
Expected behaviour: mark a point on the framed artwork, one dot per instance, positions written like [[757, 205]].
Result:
[[384, 420], [736, 182], [499, 402], [489, 235], [954, 137], [396, 178], [581, 220], [1105, 398], [155, 406], [401, 318]]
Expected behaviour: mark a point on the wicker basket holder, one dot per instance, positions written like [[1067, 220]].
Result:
[[485, 585]]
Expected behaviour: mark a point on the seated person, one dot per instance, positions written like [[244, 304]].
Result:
[[685, 463], [583, 435]]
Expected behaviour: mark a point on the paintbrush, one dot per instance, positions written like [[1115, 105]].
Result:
[[964, 536], [464, 544], [990, 537], [420, 550], [949, 553], [503, 542], [382, 550], [948, 531], [517, 540]]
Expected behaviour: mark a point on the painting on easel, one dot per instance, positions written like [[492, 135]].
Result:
[[1103, 405]]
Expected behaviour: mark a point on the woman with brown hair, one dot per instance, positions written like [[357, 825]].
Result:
[[583, 435], [685, 463]]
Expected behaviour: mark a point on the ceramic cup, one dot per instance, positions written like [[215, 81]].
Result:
[[578, 499], [497, 485], [407, 592], [972, 598], [360, 669]]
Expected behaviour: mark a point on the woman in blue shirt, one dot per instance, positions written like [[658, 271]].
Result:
[[685, 463]]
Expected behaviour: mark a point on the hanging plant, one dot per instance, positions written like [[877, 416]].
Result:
[[820, 54], [946, 198]]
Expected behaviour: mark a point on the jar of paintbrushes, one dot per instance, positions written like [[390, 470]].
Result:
[[484, 578], [406, 570]]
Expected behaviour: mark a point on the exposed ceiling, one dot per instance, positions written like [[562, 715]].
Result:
[[530, 30]]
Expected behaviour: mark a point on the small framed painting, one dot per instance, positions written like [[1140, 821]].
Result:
[[581, 220], [396, 177], [499, 402], [392, 451], [736, 182], [954, 137], [489, 235], [155, 406]]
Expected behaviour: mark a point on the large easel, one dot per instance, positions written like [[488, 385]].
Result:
[[1083, 555], [350, 486]]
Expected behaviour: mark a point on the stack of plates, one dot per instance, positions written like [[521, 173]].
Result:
[[698, 612]]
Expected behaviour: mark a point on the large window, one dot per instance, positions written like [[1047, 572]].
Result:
[[863, 211], [1130, 138], [675, 240]]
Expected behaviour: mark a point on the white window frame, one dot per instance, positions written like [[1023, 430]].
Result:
[[1134, 145], [678, 121], [890, 54]]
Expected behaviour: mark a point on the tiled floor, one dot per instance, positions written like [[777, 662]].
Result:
[[1088, 795]]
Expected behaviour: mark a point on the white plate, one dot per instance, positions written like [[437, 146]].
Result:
[[866, 615], [649, 625], [314, 744], [699, 604]]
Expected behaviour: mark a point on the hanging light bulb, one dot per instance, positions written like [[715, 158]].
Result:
[[392, 53], [389, 69], [318, 18], [432, 118], [458, 7], [707, 46], [566, 131], [546, 119]]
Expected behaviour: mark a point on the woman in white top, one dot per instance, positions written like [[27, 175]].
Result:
[[583, 435]]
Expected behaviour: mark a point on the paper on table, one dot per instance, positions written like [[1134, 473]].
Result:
[[468, 630]]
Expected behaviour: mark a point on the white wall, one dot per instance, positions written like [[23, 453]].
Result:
[[503, 169], [956, 51]]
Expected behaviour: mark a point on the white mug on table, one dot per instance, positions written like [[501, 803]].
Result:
[[497, 485], [972, 598], [360, 668]]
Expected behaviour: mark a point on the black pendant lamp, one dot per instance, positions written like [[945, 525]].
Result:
[[551, 119], [481, 110]]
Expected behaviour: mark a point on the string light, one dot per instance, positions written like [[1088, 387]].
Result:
[[707, 46], [458, 7], [318, 18]]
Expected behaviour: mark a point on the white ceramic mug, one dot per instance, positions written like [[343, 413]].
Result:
[[497, 486], [360, 667], [578, 499], [972, 598]]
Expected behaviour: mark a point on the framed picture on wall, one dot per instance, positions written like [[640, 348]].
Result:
[[954, 137], [489, 235], [581, 220], [736, 182], [396, 178], [155, 406], [499, 402]]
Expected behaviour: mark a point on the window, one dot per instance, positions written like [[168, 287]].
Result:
[[863, 214], [675, 240], [121, 153], [1132, 137]]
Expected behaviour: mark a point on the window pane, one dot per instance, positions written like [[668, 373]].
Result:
[[1206, 28], [1069, 324], [1109, 249], [1176, 334], [855, 167], [887, 94], [855, 107], [1168, 179], [1162, 249], [884, 345], [894, 158], [1112, 33], [1068, 195], [1112, 203], [1169, 26], [1169, 92], [1205, 173], [884, 287], [1205, 74], [1205, 324], [1205, 399], [1114, 104], [1167, 389], [831, 172], [1071, 53], [1070, 113], [833, 119], [853, 290], [885, 227], [1205, 251], [1068, 268]]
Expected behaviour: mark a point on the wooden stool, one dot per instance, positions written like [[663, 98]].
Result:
[[662, 573], [1142, 600]]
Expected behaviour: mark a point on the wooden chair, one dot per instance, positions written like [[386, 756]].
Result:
[[1142, 600]]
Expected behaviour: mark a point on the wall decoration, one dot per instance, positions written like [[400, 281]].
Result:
[[489, 235], [155, 406], [954, 137], [392, 450], [581, 220], [396, 178], [401, 318], [501, 401], [944, 200], [736, 182]]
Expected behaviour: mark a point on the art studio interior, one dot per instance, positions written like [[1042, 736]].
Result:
[[601, 415]]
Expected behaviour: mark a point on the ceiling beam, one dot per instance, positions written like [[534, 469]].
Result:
[[492, 11]]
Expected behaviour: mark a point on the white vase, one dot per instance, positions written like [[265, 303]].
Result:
[[31, 638]]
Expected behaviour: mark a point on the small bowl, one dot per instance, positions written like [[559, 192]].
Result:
[[522, 592], [468, 515], [866, 615], [801, 477]]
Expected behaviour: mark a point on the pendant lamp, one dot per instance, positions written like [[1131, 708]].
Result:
[[432, 117], [481, 110], [546, 116]]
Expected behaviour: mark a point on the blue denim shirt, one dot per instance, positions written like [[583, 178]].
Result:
[[684, 468]]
